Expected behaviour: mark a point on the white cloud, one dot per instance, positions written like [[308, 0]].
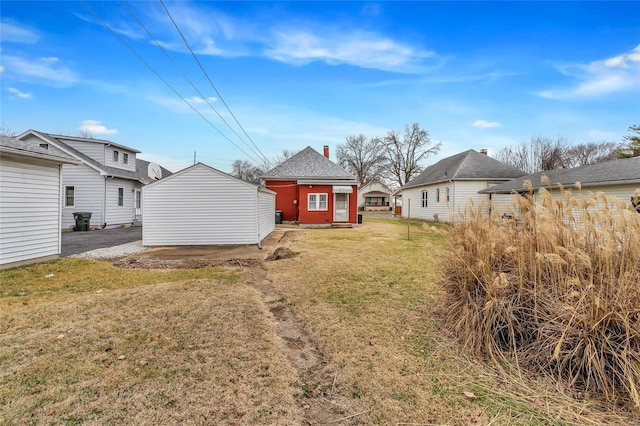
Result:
[[1, 68], [18, 33], [95, 128], [358, 48], [484, 124], [616, 74], [199, 100], [45, 70], [18, 93]]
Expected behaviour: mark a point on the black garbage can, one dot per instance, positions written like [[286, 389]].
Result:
[[359, 218], [278, 216], [82, 221]]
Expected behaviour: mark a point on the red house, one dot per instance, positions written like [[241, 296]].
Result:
[[314, 191]]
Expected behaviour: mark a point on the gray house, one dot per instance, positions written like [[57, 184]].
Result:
[[107, 182], [30, 201], [443, 189]]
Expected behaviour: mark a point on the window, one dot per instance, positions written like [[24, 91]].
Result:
[[116, 154], [317, 202], [120, 197], [425, 196], [437, 195], [138, 199], [69, 196], [125, 158], [447, 193]]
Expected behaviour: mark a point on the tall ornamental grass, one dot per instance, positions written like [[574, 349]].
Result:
[[555, 288]]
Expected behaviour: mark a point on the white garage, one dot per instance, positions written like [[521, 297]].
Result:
[[201, 205], [30, 201]]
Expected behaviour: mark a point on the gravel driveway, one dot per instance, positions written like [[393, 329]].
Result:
[[74, 243]]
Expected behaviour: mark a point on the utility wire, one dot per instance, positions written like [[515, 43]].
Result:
[[104, 23], [211, 82], [205, 98]]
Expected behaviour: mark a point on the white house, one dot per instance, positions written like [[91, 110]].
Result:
[[442, 190], [374, 196], [30, 201], [618, 178], [107, 183], [201, 205]]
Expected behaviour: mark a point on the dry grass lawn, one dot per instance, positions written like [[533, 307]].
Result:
[[95, 344]]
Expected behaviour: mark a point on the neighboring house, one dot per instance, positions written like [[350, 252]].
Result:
[[313, 191], [619, 178], [30, 201], [442, 190], [106, 184], [374, 196], [200, 205]]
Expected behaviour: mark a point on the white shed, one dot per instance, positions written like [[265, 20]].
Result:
[[30, 201], [201, 205]]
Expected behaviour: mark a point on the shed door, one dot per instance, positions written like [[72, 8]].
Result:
[[340, 207]]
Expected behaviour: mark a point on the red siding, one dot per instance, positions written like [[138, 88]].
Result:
[[287, 193]]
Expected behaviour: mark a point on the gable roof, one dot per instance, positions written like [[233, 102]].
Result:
[[13, 146], [91, 140], [306, 164], [624, 171], [467, 165], [213, 170], [142, 167]]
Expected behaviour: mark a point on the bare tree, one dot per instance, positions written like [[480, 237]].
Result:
[[404, 151], [245, 170], [362, 157], [540, 153], [590, 153], [7, 131]]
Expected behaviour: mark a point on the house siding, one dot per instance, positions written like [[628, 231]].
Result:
[[201, 206], [267, 207], [29, 210], [108, 158], [460, 193], [89, 194], [90, 149], [120, 215], [287, 198]]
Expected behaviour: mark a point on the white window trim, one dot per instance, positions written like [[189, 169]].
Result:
[[120, 189], [437, 195], [425, 198], [116, 156], [125, 158], [74, 196], [316, 204]]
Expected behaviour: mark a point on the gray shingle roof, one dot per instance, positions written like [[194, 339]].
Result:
[[31, 149], [467, 165], [610, 172], [308, 163]]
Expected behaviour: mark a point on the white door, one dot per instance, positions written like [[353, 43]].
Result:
[[138, 204], [340, 207]]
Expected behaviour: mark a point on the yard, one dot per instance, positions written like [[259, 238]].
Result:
[[343, 331]]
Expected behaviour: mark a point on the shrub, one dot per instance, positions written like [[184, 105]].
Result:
[[555, 289]]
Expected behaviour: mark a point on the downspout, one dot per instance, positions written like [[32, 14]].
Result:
[[104, 204], [60, 204]]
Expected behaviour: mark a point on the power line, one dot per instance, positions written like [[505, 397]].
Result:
[[211, 82], [104, 23], [205, 98]]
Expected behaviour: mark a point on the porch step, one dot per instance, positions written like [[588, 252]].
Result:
[[342, 225]]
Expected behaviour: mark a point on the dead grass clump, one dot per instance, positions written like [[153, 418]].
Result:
[[281, 253], [555, 289]]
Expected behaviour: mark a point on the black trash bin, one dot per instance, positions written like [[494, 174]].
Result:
[[278, 216], [82, 221], [359, 218]]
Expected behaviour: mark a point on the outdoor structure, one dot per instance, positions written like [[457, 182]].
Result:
[[374, 196], [201, 205], [442, 190], [618, 178], [107, 183], [30, 201], [314, 191]]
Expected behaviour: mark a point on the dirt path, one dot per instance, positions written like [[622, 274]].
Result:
[[317, 398]]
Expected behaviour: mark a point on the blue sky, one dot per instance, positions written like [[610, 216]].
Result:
[[474, 74]]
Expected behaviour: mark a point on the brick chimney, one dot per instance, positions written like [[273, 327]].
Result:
[[326, 151], [483, 151]]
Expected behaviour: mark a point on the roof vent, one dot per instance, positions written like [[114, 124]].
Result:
[[483, 151], [44, 145]]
